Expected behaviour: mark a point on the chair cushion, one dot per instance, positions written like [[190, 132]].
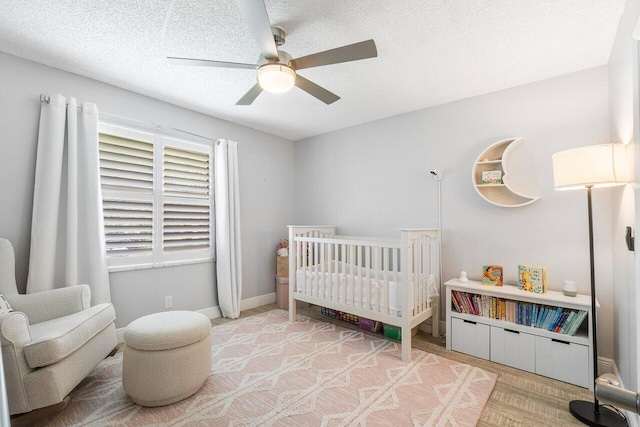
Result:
[[55, 339], [167, 330]]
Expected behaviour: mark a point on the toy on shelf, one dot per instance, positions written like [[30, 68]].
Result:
[[463, 277]]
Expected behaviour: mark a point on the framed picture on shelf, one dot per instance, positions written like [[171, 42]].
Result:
[[491, 177]]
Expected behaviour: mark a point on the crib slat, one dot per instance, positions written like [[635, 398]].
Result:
[[387, 287], [414, 270], [367, 260], [342, 283], [351, 276], [336, 256], [360, 270], [420, 277], [323, 284], [328, 281], [410, 277], [305, 270], [314, 281], [395, 265], [425, 269], [376, 251]]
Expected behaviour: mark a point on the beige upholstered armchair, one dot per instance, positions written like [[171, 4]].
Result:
[[51, 341]]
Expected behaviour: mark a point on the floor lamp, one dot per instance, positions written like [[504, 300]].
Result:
[[586, 168]]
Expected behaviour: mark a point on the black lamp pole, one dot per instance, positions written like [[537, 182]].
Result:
[[592, 414]]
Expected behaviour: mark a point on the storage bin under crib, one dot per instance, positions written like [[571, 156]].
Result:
[[346, 317]]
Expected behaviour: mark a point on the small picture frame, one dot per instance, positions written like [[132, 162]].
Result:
[[492, 177]]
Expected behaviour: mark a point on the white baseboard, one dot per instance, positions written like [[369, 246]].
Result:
[[607, 366], [214, 312], [211, 312], [426, 327], [249, 303]]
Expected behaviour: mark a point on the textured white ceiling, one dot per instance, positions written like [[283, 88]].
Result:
[[430, 52]]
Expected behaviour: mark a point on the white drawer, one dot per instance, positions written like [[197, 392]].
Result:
[[513, 348], [470, 337], [562, 360]]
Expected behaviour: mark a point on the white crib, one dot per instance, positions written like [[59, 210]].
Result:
[[391, 280]]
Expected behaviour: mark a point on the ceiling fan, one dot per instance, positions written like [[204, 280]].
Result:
[[276, 69]]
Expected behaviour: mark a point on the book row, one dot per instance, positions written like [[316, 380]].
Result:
[[554, 319]]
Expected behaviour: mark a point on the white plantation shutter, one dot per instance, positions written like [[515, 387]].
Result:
[[186, 227], [157, 197], [126, 176], [128, 226], [186, 173], [126, 164], [186, 210]]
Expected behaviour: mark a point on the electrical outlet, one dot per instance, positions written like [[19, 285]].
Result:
[[168, 301]]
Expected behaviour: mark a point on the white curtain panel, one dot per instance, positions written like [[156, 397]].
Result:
[[228, 248], [67, 230]]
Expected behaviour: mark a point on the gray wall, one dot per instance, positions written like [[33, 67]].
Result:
[[623, 119], [373, 179], [266, 176]]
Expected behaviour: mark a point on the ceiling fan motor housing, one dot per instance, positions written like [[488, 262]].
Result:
[[278, 35], [283, 58]]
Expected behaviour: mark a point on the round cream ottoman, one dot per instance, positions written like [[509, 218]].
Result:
[[167, 357]]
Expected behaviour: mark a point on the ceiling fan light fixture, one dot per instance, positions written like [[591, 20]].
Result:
[[276, 78]]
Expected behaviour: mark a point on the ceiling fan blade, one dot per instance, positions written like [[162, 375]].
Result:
[[255, 13], [314, 90], [352, 52], [208, 63], [250, 96]]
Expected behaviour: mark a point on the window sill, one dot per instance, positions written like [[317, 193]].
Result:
[[118, 268]]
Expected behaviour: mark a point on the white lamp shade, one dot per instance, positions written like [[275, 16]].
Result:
[[276, 78], [591, 166]]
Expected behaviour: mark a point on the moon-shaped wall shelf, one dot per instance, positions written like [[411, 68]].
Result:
[[495, 158]]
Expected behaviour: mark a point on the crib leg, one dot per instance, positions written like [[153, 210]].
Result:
[[292, 309], [406, 344], [435, 321]]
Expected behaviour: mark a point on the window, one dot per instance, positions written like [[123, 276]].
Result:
[[157, 197]]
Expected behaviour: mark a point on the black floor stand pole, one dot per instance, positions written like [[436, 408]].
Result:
[[592, 414]]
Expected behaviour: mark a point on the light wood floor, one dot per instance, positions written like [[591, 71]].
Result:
[[519, 398]]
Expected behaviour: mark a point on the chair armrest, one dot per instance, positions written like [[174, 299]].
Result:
[[47, 305], [14, 329]]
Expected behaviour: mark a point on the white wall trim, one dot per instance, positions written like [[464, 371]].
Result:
[[249, 303], [607, 366], [426, 327], [214, 312], [211, 312]]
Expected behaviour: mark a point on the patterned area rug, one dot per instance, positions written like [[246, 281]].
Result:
[[269, 372]]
